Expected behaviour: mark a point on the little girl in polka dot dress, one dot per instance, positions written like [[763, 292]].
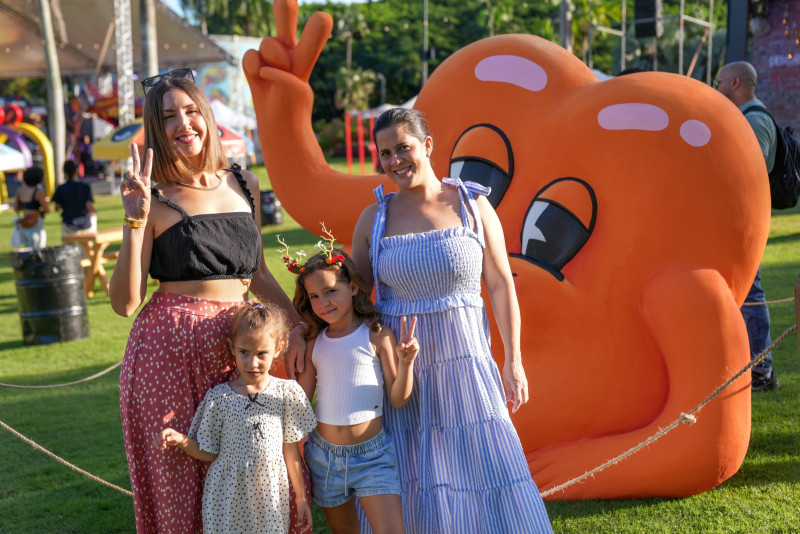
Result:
[[249, 429]]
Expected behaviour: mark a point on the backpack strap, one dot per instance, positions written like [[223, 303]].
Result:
[[760, 109]]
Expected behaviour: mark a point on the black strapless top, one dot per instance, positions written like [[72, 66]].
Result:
[[208, 246]]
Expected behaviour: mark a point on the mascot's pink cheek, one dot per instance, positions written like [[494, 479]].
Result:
[[631, 116], [515, 70], [695, 133]]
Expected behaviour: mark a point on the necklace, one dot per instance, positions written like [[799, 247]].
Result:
[[201, 188]]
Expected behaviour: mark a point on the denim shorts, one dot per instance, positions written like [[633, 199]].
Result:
[[340, 471]]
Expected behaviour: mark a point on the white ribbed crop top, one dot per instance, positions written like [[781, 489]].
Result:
[[349, 378]]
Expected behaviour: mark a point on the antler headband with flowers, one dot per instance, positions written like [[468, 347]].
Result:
[[293, 264]]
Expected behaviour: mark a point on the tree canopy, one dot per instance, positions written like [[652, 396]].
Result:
[[384, 38]]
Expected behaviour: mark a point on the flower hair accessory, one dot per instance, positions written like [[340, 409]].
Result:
[[255, 303], [293, 264], [330, 259]]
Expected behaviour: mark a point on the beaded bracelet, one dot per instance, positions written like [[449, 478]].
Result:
[[134, 223]]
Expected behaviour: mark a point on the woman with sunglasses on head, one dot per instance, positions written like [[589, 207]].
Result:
[[192, 224]]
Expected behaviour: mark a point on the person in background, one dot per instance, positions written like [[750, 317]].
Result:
[[31, 202], [737, 82], [75, 199]]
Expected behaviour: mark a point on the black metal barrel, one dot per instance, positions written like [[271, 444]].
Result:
[[51, 295]]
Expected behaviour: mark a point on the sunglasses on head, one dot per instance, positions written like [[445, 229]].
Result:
[[152, 81]]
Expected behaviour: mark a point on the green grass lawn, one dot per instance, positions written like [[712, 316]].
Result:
[[82, 425]]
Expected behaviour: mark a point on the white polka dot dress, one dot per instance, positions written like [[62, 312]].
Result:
[[247, 486], [177, 351]]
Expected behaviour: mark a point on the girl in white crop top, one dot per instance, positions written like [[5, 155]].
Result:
[[350, 359]]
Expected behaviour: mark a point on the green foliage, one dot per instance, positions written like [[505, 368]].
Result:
[[330, 135], [641, 51], [385, 36], [390, 40], [354, 87], [33, 89], [232, 17]]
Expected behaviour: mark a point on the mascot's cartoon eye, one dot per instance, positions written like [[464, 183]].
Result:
[[558, 224], [483, 154]]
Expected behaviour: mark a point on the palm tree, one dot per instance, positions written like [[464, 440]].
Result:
[[239, 17]]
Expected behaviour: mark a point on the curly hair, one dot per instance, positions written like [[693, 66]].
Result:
[[265, 318], [32, 176], [345, 272]]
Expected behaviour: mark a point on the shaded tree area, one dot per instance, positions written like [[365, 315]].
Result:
[[231, 17], [391, 44], [384, 38]]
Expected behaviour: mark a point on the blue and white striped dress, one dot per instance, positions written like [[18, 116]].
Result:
[[462, 468]]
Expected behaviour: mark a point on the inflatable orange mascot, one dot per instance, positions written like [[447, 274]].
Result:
[[635, 211]]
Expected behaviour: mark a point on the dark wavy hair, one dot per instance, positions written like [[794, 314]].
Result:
[[262, 317], [412, 120], [345, 272]]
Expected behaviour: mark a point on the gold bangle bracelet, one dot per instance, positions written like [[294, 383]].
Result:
[[134, 223]]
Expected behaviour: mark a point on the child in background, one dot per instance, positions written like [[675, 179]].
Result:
[[350, 359], [249, 428]]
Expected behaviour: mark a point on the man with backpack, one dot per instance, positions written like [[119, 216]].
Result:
[[737, 81]]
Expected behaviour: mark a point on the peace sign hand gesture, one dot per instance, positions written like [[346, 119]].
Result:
[[135, 187], [408, 347], [278, 72]]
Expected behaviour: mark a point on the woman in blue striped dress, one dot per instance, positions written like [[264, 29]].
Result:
[[462, 468]]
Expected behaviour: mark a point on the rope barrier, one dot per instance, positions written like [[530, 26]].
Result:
[[685, 418], [779, 301], [61, 460], [82, 380]]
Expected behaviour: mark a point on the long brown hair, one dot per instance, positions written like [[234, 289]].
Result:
[[168, 166], [345, 272]]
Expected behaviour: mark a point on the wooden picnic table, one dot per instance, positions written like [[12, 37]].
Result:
[[94, 247]]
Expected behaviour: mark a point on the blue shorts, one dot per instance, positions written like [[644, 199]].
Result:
[[340, 471]]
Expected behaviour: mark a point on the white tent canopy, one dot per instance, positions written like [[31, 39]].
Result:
[[11, 159], [82, 27]]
